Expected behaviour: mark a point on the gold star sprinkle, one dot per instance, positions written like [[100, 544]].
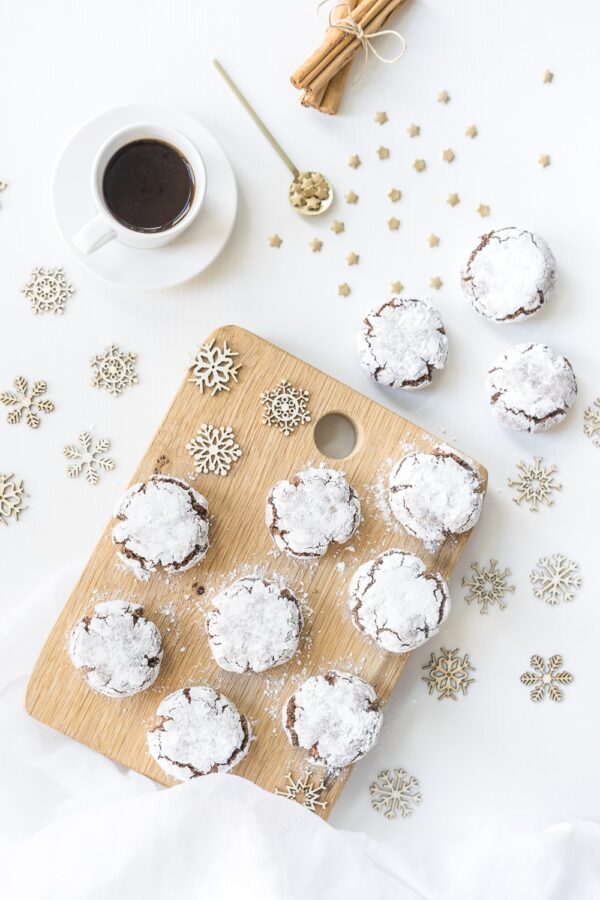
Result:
[[443, 97], [548, 76], [433, 240], [396, 287], [337, 227], [383, 153], [343, 289], [275, 241], [436, 282], [471, 131], [394, 195], [354, 161], [544, 160], [419, 165], [483, 210], [448, 155], [453, 199], [352, 259], [413, 130], [315, 245], [351, 197], [381, 118], [393, 224]]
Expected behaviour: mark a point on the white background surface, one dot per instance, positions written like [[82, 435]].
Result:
[[63, 62]]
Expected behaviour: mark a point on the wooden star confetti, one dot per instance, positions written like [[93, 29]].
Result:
[[548, 77], [448, 155], [343, 289], [544, 160], [436, 282], [471, 131], [433, 240], [396, 287], [419, 165], [395, 195], [381, 118], [275, 241], [453, 199], [383, 153], [352, 259], [351, 197], [315, 245], [354, 161], [483, 210], [393, 224], [413, 130], [337, 227], [443, 97]]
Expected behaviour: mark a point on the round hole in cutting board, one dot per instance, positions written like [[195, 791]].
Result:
[[335, 436]]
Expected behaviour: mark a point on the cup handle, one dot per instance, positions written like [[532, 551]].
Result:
[[94, 235]]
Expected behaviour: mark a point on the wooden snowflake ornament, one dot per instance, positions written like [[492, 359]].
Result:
[[88, 457], [555, 579], [26, 402], [12, 503], [286, 407], [488, 586], [448, 674], [534, 483], [304, 791], [214, 368], [114, 370], [546, 678], [214, 450], [395, 793], [48, 290]]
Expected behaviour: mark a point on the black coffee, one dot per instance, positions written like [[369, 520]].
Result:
[[148, 185]]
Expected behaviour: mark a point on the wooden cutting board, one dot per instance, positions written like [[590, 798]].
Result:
[[57, 694]]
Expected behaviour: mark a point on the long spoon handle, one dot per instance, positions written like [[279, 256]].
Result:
[[257, 120]]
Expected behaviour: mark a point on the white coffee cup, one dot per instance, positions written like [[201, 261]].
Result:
[[104, 227]]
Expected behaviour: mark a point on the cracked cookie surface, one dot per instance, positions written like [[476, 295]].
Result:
[[394, 601], [198, 731], [117, 648], [531, 388], [335, 717], [255, 625], [402, 343], [509, 275], [162, 523]]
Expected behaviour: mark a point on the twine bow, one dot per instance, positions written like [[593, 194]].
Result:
[[349, 25]]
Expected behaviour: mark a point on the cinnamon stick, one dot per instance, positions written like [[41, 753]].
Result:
[[327, 100]]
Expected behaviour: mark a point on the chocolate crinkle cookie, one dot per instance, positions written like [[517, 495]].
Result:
[[531, 387], [334, 717], [509, 275], [118, 650], [396, 603], [402, 343], [162, 524], [314, 508], [434, 495], [254, 626], [198, 732]]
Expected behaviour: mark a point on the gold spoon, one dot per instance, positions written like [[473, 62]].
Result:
[[310, 193]]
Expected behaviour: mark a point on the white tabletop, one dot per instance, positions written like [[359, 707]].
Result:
[[493, 751]]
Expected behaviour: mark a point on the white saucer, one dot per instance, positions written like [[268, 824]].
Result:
[[166, 266]]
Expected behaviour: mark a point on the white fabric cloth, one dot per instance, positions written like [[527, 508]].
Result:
[[75, 826]]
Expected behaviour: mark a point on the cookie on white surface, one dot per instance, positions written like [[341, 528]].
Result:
[[162, 524], [334, 717], [314, 508], [531, 387], [255, 625], [198, 732], [117, 648], [509, 275], [435, 494], [402, 342], [396, 603]]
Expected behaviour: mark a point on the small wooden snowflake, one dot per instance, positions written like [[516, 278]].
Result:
[[12, 494], [488, 586], [88, 458], [214, 368], [214, 449], [448, 674], [555, 579], [286, 407], [304, 791], [48, 290], [395, 792], [535, 483], [26, 402], [591, 419], [114, 370], [546, 679]]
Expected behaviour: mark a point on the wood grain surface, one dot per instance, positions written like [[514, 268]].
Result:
[[240, 542]]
